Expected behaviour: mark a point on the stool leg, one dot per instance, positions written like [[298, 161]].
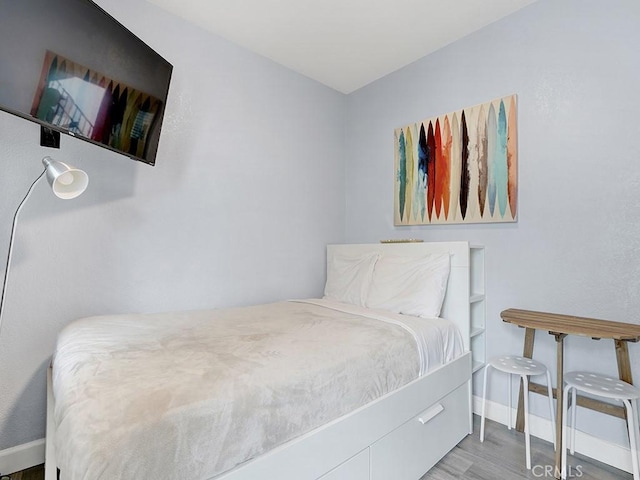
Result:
[[574, 411], [551, 410], [484, 402], [634, 405], [527, 441], [632, 438], [510, 404], [563, 445]]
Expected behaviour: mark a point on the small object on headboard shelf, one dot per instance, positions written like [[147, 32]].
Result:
[[402, 240]]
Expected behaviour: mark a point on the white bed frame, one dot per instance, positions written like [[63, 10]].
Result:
[[399, 436]]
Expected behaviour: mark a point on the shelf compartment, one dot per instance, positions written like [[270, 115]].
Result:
[[476, 331], [476, 297]]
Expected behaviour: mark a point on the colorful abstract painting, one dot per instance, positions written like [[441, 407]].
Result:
[[458, 168]]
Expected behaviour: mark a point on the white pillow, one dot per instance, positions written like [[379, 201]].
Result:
[[349, 277], [410, 285]]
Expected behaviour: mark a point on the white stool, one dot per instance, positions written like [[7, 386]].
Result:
[[601, 386], [523, 367]]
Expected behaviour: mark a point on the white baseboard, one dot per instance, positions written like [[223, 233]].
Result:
[[617, 456], [22, 457]]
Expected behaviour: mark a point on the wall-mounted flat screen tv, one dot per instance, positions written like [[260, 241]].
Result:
[[73, 68]]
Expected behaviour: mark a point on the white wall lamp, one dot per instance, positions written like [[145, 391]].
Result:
[[66, 182]]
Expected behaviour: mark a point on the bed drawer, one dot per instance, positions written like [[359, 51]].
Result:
[[356, 468], [413, 448]]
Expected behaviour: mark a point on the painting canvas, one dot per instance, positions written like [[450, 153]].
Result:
[[460, 167]]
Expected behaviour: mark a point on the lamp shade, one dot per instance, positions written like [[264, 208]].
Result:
[[66, 181]]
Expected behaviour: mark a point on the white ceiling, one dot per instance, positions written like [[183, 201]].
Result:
[[344, 44]]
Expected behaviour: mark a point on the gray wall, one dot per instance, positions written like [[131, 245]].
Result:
[[575, 67], [247, 191]]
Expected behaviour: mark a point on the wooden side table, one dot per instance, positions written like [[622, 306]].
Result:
[[560, 326]]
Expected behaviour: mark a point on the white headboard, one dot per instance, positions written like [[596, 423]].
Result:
[[456, 306]]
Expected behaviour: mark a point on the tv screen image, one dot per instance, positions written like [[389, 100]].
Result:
[[70, 66], [88, 103]]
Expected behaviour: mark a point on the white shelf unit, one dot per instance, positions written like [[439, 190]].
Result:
[[477, 303]]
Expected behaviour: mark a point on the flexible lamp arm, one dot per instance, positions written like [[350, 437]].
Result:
[[13, 234], [67, 182]]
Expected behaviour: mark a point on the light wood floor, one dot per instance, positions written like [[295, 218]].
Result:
[[35, 473], [500, 457]]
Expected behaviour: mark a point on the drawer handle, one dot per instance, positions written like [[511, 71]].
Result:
[[427, 416]]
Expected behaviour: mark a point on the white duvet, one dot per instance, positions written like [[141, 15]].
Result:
[[190, 395]]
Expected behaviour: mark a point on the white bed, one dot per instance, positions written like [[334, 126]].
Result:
[[385, 422]]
